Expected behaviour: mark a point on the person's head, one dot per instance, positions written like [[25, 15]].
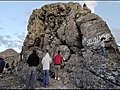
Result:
[[1, 59], [58, 52], [46, 50], [46, 53], [34, 50]]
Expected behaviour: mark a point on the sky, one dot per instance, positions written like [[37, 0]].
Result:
[[14, 17]]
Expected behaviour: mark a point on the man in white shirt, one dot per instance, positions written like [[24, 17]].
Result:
[[46, 66]]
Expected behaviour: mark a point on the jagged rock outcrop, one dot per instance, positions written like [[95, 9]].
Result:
[[76, 32]]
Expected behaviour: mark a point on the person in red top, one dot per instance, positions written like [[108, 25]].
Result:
[[58, 59]]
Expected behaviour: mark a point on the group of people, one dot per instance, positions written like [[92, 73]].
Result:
[[33, 61], [58, 59], [46, 61]]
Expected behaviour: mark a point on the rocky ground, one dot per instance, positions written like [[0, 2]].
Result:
[[10, 81], [91, 74]]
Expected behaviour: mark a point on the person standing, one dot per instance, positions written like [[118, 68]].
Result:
[[58, 59], [46, 66], [33, 62]]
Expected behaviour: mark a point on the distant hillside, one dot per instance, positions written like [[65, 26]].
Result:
[[10, 56]]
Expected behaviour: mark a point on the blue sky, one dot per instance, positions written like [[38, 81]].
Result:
[[14, 17]]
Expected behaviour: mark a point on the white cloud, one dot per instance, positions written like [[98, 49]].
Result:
[[7, 36], [118, 44], [28, 12], [8, 42], [14, 18]]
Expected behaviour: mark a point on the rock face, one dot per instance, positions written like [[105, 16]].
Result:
[[76, 32]]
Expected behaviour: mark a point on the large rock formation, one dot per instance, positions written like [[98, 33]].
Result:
[[76, 32]]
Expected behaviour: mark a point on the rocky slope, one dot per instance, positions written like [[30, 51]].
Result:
[[76, 32]]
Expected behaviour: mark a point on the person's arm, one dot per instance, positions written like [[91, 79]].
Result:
[[62, 59], [42, 61], [54, 59], [50, 60], [4, 64]]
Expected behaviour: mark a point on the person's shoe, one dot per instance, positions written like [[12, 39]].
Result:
[[55, 78], [0, 75], [102, 56], [46, 86], [58, 78]]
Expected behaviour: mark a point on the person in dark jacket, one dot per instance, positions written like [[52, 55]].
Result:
[[33, 62], [2, 65], [58, 59]]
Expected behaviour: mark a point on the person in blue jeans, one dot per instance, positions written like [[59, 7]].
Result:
[[46, 78], [33, 62], [46, 65], [31, 78]]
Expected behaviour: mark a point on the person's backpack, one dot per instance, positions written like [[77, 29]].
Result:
[[33, 59]]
